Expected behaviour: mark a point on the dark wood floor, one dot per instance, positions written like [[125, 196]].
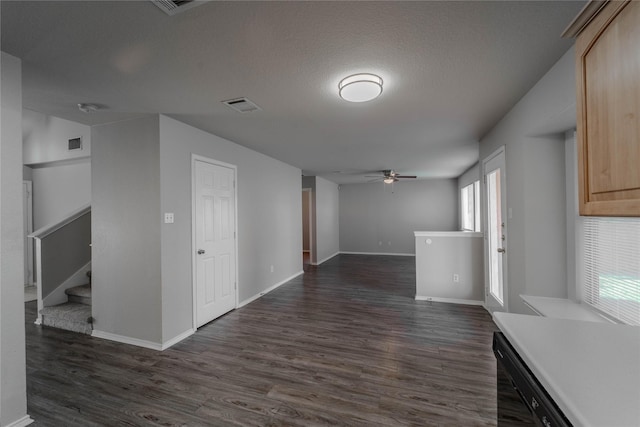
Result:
[[344, 344]]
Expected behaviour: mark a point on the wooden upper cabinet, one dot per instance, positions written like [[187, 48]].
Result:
[[608, 106]]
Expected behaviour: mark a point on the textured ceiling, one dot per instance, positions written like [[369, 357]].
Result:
[[450, 69]]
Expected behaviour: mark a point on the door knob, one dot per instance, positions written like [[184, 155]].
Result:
[[502, 250], [200, 251]]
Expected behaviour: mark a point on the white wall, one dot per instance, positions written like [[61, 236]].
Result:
[[470, 176], [27, 173], [61, 178], [440, 255], [45, 138], [573, 221], [142, 268], [13, 392], [269, 212], [532, 134], [126, 229], [58, 189], [545, 213], [373, 219], [327, 206]]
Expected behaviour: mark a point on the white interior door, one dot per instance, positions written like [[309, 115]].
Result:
[[27, 201], [496, 232], [214, 240]]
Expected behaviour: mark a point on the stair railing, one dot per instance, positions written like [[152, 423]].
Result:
[[62, 250]]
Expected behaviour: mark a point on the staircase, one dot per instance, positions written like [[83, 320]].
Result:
[[74, 315], [63, 255]]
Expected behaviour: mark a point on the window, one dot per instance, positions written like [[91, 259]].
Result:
[[611, 281], [470, 207]]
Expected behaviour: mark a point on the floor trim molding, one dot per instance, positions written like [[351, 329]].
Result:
[[175, 340], [326, 259], [450, 300], [266, 291], [375, 253], [126, 340], [24, 421]]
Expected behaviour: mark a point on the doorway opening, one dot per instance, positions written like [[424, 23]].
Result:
[[307, 235]]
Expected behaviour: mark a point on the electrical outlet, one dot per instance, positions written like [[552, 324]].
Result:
[[168, 218], [456, 278]]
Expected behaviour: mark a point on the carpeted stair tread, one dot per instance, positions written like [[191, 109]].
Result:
[[70, 316], [81, 291], [79, 294]]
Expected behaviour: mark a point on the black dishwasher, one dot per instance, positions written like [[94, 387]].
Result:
[[522, 401]]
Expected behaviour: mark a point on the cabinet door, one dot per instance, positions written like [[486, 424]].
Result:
[[608, 87]]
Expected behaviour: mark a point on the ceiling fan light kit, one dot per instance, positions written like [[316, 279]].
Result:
[[360, 87], [389, 176]]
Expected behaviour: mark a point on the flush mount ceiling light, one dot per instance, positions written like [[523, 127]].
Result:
[[360, 87]]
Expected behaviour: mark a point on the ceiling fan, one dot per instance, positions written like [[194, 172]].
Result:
[[389, 176]]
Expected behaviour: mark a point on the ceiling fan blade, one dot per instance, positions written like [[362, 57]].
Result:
[[406, 176], [375, 180]]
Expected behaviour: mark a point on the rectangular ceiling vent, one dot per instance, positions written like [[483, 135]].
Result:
[[171, 7], [241, 105]]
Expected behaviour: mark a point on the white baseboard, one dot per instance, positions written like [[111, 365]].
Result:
[[126, 340], [326, 259], [266, 291], [24, 421], [375, 253], [177, 339], [142, 343], [450, 300]]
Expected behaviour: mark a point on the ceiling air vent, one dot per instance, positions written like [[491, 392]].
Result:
[[171, 7], [241, 105]]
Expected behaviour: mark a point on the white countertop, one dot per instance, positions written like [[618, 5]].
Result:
[[591, 370], [447, 234], [561, 308]]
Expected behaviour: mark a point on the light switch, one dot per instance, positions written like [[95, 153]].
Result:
[[168, 218]]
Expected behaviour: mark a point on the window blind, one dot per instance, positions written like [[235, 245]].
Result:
[[612, 267]]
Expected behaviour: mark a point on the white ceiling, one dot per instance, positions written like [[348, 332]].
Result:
[[451, 70]]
